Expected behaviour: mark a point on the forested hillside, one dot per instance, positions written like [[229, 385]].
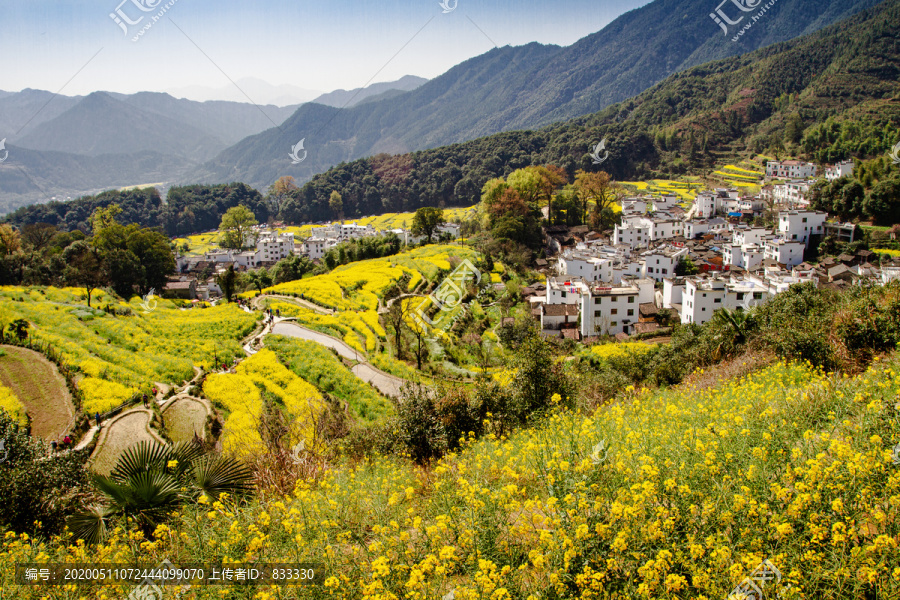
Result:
[[831, 95]]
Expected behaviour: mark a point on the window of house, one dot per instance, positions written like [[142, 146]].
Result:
[[597, 300], [630, 312], [614, 311], [665, 271], [717, 300], [740, 295], [614, 324], [630, 299], [563, 294], [596, 313], [757, 295]]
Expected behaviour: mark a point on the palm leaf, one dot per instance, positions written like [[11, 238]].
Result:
[[186, 453], [215, 474], [139, 458], [90, 524]]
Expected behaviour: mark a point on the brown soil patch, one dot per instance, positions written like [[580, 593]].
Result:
[[42, 390], [120, 434], [185, 417]]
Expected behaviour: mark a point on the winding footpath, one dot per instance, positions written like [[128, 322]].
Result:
[[388, 385]]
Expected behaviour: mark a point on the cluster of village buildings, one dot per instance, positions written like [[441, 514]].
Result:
[[629, 284], [272, 246]]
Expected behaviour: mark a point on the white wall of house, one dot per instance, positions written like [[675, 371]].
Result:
[[799, 225], [607, 311]]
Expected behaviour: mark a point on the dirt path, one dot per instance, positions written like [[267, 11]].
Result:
[[257, 303], [387, 384], [42, 390]]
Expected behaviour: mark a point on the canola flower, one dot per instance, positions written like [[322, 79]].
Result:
[[121, 354], [697, 488], [240, 395], [12, 405]]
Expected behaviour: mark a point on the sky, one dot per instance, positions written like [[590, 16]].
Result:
[[76, 47]]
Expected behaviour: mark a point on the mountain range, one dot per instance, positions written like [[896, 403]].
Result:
[[89, 140], [514, 88], [832, 94]]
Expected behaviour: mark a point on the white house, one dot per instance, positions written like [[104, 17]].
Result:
[[272, 246], [608, 309], [634, 205], [792, 192], [841, 169], [745, 256], [786, 252], [316, 247], [673, 289], [659, 263], [703, 296], [633, 232], [589, 268], [799, 225], [749, 235], [790, 169]]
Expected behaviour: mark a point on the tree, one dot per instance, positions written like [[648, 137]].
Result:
[[597, 188], [236, 227], [153, 252], [259, 279], [291, 268], [426, 220], [396, 315], [336, 204], [731, 329], [883, 202], [104, 217], [39, 489], [84, 267], [38, 235], [420, 335], [279, 192], [19, 329], [149, 481], [228, 281], [10, 241], [686, 267]]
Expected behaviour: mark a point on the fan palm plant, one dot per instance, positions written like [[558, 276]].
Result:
[[150, 480], [733, 330]]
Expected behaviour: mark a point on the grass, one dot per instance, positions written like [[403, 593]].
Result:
[[321, 368], [37, 384]]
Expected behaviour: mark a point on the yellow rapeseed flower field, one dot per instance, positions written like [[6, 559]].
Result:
[[679, 493], [121, 354]]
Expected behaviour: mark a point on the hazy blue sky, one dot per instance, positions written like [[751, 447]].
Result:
[[320, 45]]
